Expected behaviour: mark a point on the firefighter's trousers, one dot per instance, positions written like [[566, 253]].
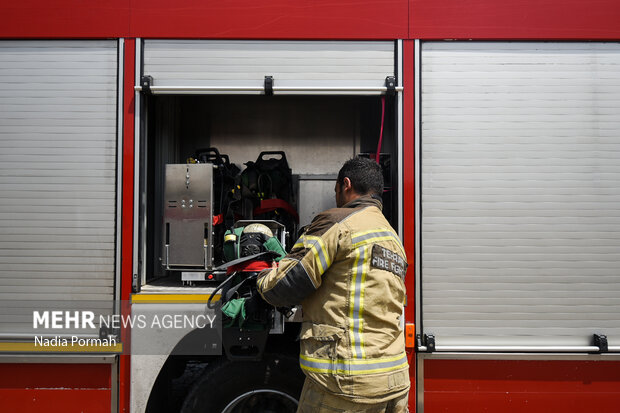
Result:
[[315, 400]]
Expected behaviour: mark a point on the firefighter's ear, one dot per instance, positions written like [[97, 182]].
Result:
[[346, 185]]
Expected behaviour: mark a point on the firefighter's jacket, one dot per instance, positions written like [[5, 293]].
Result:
[[347, 270]]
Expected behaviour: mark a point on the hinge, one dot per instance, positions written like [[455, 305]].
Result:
[[268, 85], [135, 285], [390, 84], [146, 82], [419, 342]]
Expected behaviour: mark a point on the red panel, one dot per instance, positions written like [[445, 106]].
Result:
[[278, 19], [55, 388], [55, 401], [409, 197], [409, 174], [17, 376], [525, 19], [127, 216], [128, 169], [64, 18], [275, 19], [319, 19], [515, 386]]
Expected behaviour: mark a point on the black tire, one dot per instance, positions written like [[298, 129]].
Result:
[[272, 385]]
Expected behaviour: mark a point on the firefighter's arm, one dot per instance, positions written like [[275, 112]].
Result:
[[299, 273]]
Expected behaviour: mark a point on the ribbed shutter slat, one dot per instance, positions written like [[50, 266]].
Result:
[[520, 192], [58, 143]]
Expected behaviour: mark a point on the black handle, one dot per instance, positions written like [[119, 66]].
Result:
[[213, 156], [281, 153]]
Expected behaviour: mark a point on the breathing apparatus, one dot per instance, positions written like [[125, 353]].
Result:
[[248, 250]]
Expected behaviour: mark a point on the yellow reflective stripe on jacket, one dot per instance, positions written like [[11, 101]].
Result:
[[356, 300], [317, 246], [353, 367], [369, 237]]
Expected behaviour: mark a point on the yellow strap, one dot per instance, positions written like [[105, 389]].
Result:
[[172, 298], [62, 347]]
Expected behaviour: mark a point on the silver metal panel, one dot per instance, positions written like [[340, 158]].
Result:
[[147, 367], [417, 172], [58, 359], [400, 140], [139, 209], [119, 168], [58, 162], [399, 153], [419, 382], [520, 349], [114, 391], [188, 215], [244, 64], [160, 343], [520, 186], [278, 90], [315, 196], [518, 356]]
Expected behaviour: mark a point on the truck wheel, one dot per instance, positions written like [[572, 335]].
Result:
[[272, 385]]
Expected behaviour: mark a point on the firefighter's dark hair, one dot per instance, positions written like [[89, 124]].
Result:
[[365, 174]]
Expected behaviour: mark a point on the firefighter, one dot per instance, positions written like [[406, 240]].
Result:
[[347, 270]]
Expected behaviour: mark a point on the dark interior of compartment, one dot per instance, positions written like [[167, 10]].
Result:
[[318, 133]]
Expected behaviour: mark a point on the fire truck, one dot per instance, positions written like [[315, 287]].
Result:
[[497, 125]]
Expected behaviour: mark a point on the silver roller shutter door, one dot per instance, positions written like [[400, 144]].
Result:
[[243, 65], [520, 158], [58, 143]]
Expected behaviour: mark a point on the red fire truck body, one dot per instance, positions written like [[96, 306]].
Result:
[[461, 373]]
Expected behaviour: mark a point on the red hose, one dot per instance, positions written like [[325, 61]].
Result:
[[251, 266], [378, 154]]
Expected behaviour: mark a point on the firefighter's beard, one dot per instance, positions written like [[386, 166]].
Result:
[[339, 196]]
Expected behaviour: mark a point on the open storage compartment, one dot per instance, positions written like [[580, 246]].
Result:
[[316, 133], [300, 107]]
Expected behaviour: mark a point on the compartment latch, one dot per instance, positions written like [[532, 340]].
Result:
[[600, 341], [268, 85], [146, 82], [390, 84], [425, 343]]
